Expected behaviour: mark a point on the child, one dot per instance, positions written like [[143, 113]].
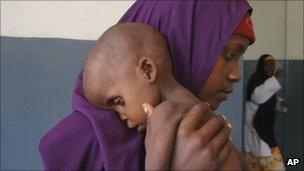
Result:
[[129, 66]]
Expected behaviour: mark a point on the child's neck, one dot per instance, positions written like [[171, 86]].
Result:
[[173, 91]]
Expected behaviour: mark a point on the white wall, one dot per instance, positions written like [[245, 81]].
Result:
[[295, 30], [88, 19], [60, 19], [278, 28]]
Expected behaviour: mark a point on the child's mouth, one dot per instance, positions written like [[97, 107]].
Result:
[[140, 127], [131, 124]]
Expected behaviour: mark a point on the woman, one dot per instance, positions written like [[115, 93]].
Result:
[[204, 52], [262, 148]]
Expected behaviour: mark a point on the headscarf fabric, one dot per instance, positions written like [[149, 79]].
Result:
[[196, 32], [245, 28]]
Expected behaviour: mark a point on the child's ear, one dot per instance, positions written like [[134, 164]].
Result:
[[147, 69]]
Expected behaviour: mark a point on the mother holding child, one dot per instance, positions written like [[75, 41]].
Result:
[[165, 76]]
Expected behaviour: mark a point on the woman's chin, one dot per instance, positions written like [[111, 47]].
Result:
[[214, 105]]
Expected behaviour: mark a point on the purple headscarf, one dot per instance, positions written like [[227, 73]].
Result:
[[93, 139]]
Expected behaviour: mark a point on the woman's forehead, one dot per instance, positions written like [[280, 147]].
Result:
[[240, 39], [237, 43], [269, 58], [269, 61]]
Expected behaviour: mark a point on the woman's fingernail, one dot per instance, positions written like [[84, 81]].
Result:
[[147, 108], [230, 138], [229, 125], [208, 104], [224, 117]]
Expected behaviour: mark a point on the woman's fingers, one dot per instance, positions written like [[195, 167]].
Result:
[[148, 109], [193, 118], [160, 135], [170, 113], [224, 152], [220, 139], [211, 127]]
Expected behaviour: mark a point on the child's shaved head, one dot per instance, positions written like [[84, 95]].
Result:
[[129, 59]]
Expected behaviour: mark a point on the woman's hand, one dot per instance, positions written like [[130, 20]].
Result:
[[161, 129], [175, 138], [200, 145], [284, 103], [279, 73]]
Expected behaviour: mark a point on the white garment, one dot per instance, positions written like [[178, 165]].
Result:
[[253, 143]]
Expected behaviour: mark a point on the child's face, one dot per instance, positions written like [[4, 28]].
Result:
[[127, 95]]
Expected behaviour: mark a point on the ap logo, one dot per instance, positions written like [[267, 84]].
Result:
[[292, 162]]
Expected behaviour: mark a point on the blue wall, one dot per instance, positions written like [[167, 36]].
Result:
[[37, 80], [289, 126]]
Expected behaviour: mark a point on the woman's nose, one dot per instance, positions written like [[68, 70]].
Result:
[[235, 75]]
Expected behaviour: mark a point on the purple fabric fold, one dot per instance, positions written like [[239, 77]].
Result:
[[94, 139]]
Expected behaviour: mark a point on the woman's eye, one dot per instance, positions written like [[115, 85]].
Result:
[[229, 55], [119, 101]]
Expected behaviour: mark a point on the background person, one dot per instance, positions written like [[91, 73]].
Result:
[[262, 102]]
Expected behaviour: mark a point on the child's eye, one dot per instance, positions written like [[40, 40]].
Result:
[[119, 101]]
